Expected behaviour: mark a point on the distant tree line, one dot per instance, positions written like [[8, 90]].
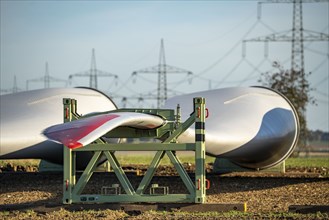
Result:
[[318, 136]]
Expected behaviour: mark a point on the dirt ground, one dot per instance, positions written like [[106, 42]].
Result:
[[263, 192]]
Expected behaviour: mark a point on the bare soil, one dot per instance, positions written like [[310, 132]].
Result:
[[263, 192]]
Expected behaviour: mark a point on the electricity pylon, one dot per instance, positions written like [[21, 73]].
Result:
[[15, 88], [297, 35], [162, 69], [93, 73], [46, 79]]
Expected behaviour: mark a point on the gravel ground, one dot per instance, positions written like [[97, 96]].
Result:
[[264, 193]]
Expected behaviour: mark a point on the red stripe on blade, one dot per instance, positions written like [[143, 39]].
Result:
[[74, 145], [70, 133]]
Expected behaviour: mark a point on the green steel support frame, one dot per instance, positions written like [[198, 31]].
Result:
[[72, 189]]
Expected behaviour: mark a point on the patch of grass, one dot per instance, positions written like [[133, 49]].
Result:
[[146, 159], [21, 162], [123, 159], [308, 162], [4, 213]]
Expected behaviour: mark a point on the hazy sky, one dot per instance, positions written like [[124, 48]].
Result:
[[204, 37]]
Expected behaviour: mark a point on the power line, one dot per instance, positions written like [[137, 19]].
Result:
[[255, 69], [229, 73], [229, 51]]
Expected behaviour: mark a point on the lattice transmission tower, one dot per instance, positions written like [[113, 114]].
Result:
[[162, 69], [14, 89], [93, 73], [297, 35], [46, 79]]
